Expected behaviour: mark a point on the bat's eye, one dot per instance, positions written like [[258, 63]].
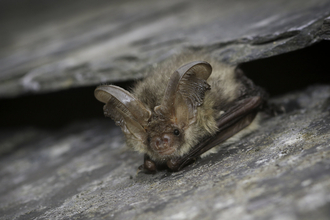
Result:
[[176, 132]]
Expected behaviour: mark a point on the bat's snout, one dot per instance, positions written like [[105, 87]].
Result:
[[163, 144]]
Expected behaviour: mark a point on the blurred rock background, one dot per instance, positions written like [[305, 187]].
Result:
[[61, 159]]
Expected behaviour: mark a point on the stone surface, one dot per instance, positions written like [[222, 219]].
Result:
[[84, 171], [60, 45]]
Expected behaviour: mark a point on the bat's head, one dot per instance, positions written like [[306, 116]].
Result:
[[165, 136], [160, 132]]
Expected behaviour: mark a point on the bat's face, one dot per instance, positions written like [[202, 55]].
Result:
[[165, 138]]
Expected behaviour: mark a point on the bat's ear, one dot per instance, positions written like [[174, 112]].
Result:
[[185, 92], [126, 110]]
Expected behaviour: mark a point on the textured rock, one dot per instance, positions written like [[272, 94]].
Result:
[[84, 171], [64, 45]]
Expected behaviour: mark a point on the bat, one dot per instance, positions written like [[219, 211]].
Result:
[[181, 112]]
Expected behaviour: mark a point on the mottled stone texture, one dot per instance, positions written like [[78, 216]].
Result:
[[83, 170], [60, 45]]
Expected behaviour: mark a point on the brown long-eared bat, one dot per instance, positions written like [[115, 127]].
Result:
[[176, 117]]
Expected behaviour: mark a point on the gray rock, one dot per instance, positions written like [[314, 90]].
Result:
[[84, 171], [63, 45]]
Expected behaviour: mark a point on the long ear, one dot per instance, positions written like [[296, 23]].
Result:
[[127, 111], [185, 92]]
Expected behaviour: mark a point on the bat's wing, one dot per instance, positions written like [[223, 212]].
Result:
[[230, 123]]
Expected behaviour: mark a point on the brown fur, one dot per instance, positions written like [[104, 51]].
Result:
[[225, 88], [166, 134]]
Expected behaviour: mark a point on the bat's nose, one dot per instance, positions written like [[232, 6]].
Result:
[[162, 143]]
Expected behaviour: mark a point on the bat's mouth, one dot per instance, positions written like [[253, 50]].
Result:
[[167, 151]]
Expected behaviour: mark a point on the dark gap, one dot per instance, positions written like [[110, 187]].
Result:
[[53, 110], [278, 75], [291, 71]]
